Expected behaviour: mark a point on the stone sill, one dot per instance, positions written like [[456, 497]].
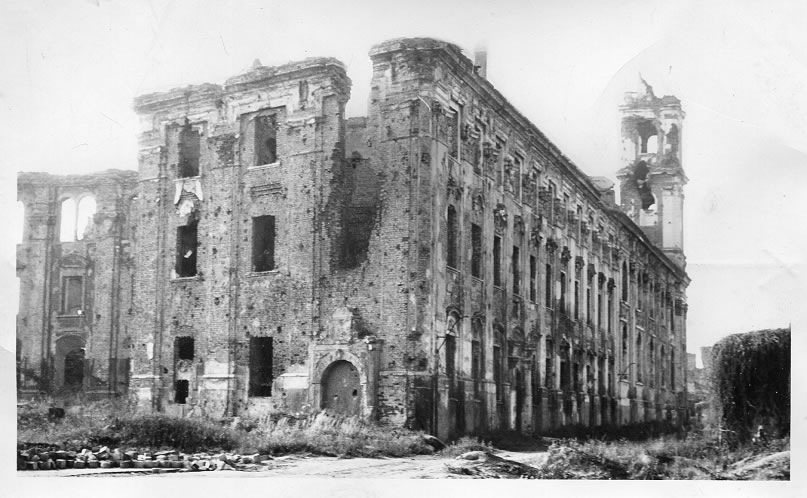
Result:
[[195, 278], [263, 166], [258, 274], [187, 178]]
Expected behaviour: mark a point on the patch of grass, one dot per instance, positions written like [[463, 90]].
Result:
[[107, 423], [335, 435], [464, 445]]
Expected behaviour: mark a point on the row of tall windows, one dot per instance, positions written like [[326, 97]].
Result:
[[263, 246]]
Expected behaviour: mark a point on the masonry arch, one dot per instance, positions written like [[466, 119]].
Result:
[[336, 373], [342, 390], [69, 362]]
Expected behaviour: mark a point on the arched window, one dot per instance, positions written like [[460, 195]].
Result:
[[76, 218], [68, 221], [652, 362], [663, 361], [84, 215], [477, 363]]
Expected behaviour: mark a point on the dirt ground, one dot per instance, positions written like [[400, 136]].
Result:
[[417, 467]]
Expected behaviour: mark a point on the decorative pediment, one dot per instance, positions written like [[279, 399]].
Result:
[[73, 260]]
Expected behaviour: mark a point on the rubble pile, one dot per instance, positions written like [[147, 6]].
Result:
[[52, 458]]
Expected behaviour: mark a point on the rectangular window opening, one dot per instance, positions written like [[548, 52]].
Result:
[[497, 261], [453, 238], [72, 289], [548, 289], [476, 251], [263, 243], [189, 151], [265, 140], [516, 270], [181, 391], [533, 279], [183, 348], [260, 366], [187, 245]]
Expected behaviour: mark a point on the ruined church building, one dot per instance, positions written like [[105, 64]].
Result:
[[438, 264]]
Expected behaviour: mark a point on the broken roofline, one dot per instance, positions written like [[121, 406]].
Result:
[[206, 92], [99, 177]]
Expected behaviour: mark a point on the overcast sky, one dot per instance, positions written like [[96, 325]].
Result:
[[71, 70]]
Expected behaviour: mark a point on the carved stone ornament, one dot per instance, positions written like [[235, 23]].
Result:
[[453, 188], [518, 224], [578, 264], [500, 218], [478, 201], [551, 244], [565, 255], [601, 279], [535, 235], [611, 284], [591, 271]]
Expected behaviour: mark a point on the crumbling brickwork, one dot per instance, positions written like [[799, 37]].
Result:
[[75, 270], [438, 264]]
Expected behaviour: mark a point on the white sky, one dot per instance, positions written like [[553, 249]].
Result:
[[71, 70]]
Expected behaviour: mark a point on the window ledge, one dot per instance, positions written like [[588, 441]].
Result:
[[263, 166], [186, 178], [263, 273], [477, 279], [187, 279]]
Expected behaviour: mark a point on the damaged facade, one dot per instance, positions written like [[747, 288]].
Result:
[[438, 264]]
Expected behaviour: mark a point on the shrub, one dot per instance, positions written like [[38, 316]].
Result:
[[750, 380]]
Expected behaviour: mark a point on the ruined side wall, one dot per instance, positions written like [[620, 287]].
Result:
[[560, 363], [46, 330]]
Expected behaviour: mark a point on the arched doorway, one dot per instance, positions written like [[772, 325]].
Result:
[[69, 363], [74, 369], [341, 388]]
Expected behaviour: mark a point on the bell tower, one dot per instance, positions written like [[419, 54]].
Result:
[[651, 180]]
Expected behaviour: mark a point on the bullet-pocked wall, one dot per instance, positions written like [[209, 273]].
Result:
[[437, 264], [75, 270]]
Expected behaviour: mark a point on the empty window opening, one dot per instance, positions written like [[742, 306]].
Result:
[[533, 279], [576, 300], [548, 286], [563, 292], [576, 376], [624, 282], [639, 355], [497, 261], [588, 305], [183, 348], [548, 366], [497, 372], [476, 365], [189, 151], [564, 375], [476, 251], [516, 270], [265, 140], [648, 136], [73, 293], [453, 237], [187, 245], [672, 368], [451, 357], [625, 359], [84, 216], [74, 369], [68, 221], [260, 366], [181, 391], [263, 243]]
